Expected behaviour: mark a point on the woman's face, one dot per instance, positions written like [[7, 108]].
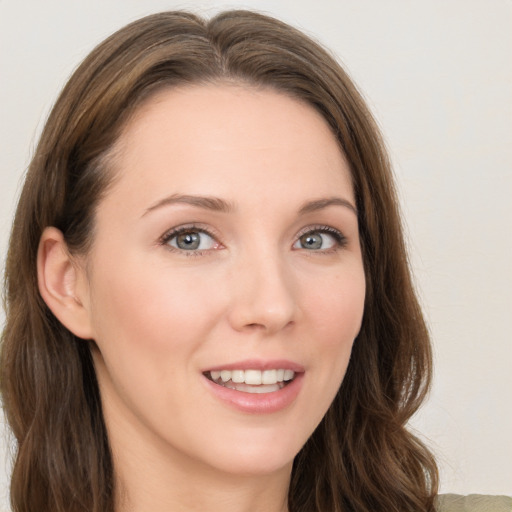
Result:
[[225, 284]]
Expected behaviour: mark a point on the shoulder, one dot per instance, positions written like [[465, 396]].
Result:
[[474, 503]]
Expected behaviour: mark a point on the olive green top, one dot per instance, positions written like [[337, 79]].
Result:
[[474, 503]]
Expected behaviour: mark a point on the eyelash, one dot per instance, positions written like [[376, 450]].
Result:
[[338, 236], [192, 228]]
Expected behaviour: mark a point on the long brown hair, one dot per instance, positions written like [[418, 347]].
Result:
[[361, 457]]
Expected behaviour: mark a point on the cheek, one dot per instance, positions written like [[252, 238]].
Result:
[[337, 306], [332, 314], [148, 331], [147, 306], [335, 315]]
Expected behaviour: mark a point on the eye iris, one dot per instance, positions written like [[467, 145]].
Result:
[[188, 241], [311, 241]]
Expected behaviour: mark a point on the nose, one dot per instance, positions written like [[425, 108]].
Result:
[[264, 295]]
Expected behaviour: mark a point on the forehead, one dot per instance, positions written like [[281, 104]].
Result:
[[211, 138]]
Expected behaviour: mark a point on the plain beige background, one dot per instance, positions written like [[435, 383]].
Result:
[[438, 76]]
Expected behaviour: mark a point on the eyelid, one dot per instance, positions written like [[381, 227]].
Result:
[[191, 227], [341, 239]]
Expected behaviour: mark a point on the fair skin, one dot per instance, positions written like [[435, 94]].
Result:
[[228, 241]]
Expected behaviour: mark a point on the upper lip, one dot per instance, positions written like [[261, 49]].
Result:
[[258, 364]]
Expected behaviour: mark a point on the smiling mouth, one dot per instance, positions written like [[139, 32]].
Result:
[[252, 381]]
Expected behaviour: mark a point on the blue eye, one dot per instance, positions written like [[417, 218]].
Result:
[[190, 240], [320, 240]]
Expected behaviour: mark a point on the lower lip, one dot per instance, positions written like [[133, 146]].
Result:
[[264, 403]]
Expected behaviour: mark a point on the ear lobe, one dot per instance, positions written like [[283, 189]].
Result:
[[62, 284]]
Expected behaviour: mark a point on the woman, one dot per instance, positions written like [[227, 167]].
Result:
[[208, 234]]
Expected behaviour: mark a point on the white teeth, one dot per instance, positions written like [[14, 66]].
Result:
[[269, 377], [252, 377], [238, 376], [288, 375]]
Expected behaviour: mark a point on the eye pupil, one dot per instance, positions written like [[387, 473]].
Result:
[[188, 241], [309, 241]]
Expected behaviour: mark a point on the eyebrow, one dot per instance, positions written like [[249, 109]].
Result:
[[220, 205], [320, 204], [208, 203]]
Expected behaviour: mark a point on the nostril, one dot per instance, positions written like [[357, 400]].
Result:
[[255, 326]]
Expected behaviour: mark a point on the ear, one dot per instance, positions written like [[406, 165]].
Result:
[[63, 284]]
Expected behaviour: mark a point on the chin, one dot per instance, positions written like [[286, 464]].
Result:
[[258, 467], [255, 458]]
